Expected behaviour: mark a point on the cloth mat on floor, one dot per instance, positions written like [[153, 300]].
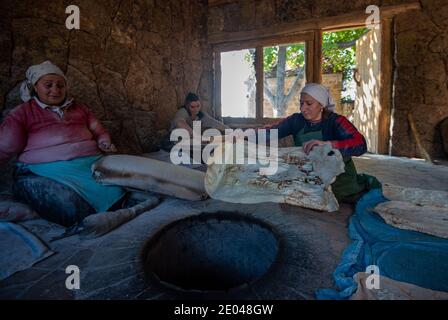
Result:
[[19, 249], [402, 255]]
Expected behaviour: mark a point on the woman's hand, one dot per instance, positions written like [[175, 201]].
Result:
[[107, 146], [309, 145]]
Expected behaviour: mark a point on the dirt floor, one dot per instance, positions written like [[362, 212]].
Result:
[[311, 245]]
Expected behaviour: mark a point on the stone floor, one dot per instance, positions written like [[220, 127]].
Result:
[[110, 266], [311, 244]]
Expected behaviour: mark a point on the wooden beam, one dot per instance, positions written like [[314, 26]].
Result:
[[217, 84], [265, 42], [386, 60], [249, 122], [337, 22], [259, 75], [317, 57], [309, 62], [215, 3]]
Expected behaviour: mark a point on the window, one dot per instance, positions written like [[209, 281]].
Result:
[[262, 82], [238, 84], [284, 77]]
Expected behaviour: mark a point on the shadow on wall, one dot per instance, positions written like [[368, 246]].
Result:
[[441, 132]]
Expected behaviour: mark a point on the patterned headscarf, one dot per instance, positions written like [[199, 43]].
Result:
[[34, 73]]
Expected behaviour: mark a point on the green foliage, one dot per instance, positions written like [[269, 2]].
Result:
[[250, 58], [295, 57], [336, 59]]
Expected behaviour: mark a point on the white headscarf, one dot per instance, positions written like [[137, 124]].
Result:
[[320, 93], [34, 73]]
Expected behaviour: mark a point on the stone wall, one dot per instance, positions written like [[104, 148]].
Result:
[[132, 62], [421, 78], [421, 56]]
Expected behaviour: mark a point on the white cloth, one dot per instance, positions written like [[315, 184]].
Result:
[[320, 93], [34, 73]]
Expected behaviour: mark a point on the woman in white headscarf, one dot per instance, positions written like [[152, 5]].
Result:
[[318, 124], [56, 140]]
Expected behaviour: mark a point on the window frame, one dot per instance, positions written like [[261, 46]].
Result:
[[308, 37], [317, 26]]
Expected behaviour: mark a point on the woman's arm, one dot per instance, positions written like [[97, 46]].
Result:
[[100, 133], [13, 136], [349, 141], [210, 122], [285, 127], [180, 120], [182, 124]]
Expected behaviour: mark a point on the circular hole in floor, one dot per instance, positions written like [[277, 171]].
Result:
[[211, 252]]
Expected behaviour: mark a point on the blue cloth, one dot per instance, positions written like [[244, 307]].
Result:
[[77, 174], [20, 249], [402, 255]]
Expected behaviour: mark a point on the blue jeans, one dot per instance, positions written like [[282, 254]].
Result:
[[52, 200]]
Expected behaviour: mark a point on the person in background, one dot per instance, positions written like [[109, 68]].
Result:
[[56, 140], [183, 119], [191, 111]]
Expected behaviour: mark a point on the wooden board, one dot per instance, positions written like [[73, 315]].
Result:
[[215, 3], [353, 19], [385, 86]]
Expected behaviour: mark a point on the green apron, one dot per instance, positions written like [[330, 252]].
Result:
[[349, 185]]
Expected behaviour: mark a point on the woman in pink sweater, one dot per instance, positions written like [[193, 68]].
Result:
[[56, 140]]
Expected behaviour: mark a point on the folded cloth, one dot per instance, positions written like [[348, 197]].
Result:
[[77, 174], [19, 248]]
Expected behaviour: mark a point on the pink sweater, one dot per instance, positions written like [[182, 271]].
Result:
[[40, 135]]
